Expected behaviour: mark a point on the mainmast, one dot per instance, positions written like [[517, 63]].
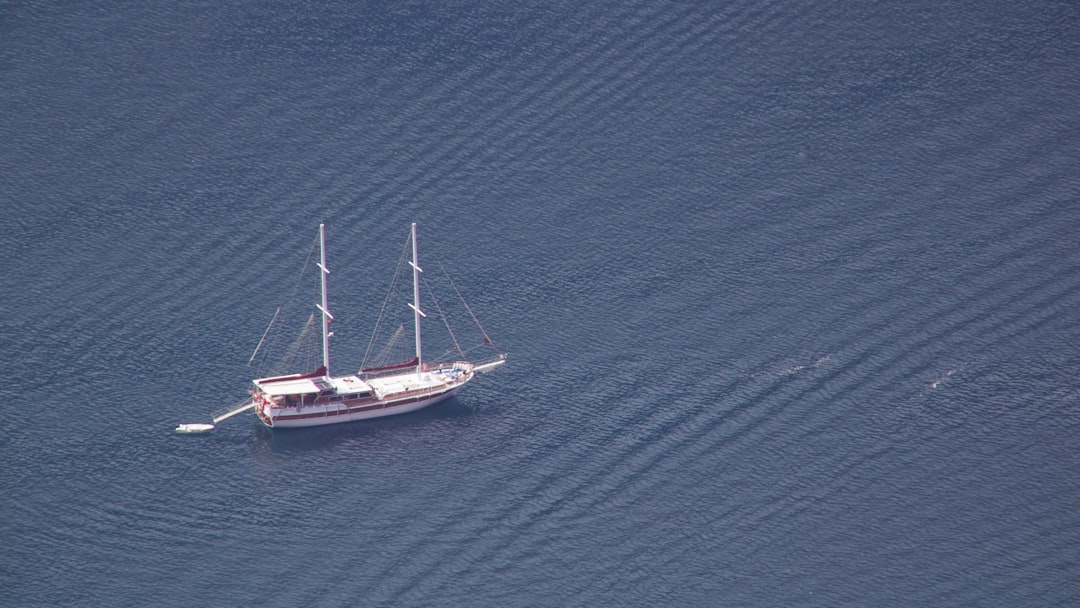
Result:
[[417, 313], [326, 316]]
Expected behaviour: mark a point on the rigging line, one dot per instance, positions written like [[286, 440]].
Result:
[[386, 302], [297, 351], [303, 270], [431, 292], [382, 310], [261, 340], [291, 298], [443, 355], [487, 338], [383, 356]]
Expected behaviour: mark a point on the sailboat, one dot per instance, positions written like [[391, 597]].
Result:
[[317, 398]]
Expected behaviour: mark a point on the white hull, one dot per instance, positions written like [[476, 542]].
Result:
[[319, 415], [376, 397]]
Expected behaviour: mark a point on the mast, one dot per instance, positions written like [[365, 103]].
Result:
[[417, 313], [326, 316]]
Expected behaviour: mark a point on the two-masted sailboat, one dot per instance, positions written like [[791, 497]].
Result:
[[318, 398]]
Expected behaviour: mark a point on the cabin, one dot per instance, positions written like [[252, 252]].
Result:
[[300, 390]]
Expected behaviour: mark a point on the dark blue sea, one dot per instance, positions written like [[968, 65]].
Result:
[[791, 292]]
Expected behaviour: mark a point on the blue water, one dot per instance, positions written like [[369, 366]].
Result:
[[790, 290]]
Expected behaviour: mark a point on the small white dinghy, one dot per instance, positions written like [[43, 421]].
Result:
[[192, 428]]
